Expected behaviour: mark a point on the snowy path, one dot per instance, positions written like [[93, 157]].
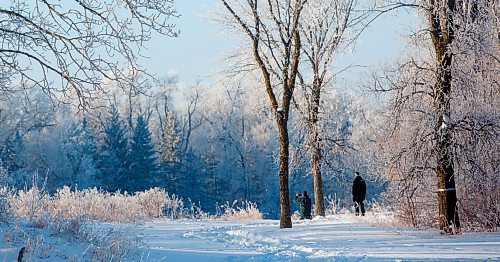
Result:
[[339, 238]]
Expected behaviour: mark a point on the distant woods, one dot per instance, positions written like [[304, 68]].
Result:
[[215, 144]]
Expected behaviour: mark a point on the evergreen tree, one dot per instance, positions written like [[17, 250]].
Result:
[[170, 141], [114, 150], [142, 159], [169, 151], [10, 152]]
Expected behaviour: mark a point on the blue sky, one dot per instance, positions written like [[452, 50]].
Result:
[[195, 54]]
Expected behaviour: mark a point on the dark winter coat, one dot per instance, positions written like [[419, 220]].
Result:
[[358, 189], [305, 205]]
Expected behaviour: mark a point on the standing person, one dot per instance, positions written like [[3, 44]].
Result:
[[358, 194], [305, 206]]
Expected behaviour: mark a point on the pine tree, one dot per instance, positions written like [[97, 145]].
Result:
[[169, 151], [170, 141], [9, 153], [114, 150], [142, 159]]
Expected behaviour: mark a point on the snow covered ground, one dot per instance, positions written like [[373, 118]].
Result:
[[336, 238]]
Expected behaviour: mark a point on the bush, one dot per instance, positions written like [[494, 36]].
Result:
[[111, 245], [333, 205], [247, 211], [67, 210], [31, 204], [5, 214]]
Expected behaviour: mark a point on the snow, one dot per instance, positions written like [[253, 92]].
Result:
[[335, 238]]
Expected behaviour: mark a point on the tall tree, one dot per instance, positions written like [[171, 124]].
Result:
[[142, 158], [272, 28], [442, 29], [322, 29], [444, 106], [113, 152], [10, 151]]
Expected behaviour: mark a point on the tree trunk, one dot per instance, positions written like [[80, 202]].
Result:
[[441, 26], [285, 217], [319, 206], [447, 194], [316, 155]]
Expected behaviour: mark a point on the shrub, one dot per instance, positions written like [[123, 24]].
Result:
[[31, 204], [248, 210], [333, 205], [67, 210], [111, 245]]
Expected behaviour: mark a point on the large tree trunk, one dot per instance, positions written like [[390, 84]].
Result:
[[442, 33], [316, 155], [447, 195], [285, 217]]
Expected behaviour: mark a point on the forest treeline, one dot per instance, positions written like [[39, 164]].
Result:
[[212, 145]]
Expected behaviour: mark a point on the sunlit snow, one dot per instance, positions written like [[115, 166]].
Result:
[[335, 238]]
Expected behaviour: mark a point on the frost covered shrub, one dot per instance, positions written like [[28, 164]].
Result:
[[62, 225], [110, 246], [195, 212], [68, 210], [115, 207], [173, 207], [37, 206], [5, 214], [31, 204], [70, 204], [248, 210], [152, 201], [333, 205]]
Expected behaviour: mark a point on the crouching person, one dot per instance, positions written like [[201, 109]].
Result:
[[305, 206]]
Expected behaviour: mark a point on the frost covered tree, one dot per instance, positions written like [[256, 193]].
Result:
[[141, 158], [441, 15], [170, 151], [70, 47], [272, 32], [325, 26], [234, 140], [11, 150], [113, 152], [443, 106], [170, 140], [22, 116]]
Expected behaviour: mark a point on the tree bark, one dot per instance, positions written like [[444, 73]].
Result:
[[316, 154], [285, 216], [442, 34]]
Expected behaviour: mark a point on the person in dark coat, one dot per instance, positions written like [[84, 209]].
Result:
[[305, 205], [358, 194]]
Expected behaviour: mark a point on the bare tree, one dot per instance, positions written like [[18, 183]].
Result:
[[443, 102], [322, 27], [272, 28], [441, 27], [78, 43]]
